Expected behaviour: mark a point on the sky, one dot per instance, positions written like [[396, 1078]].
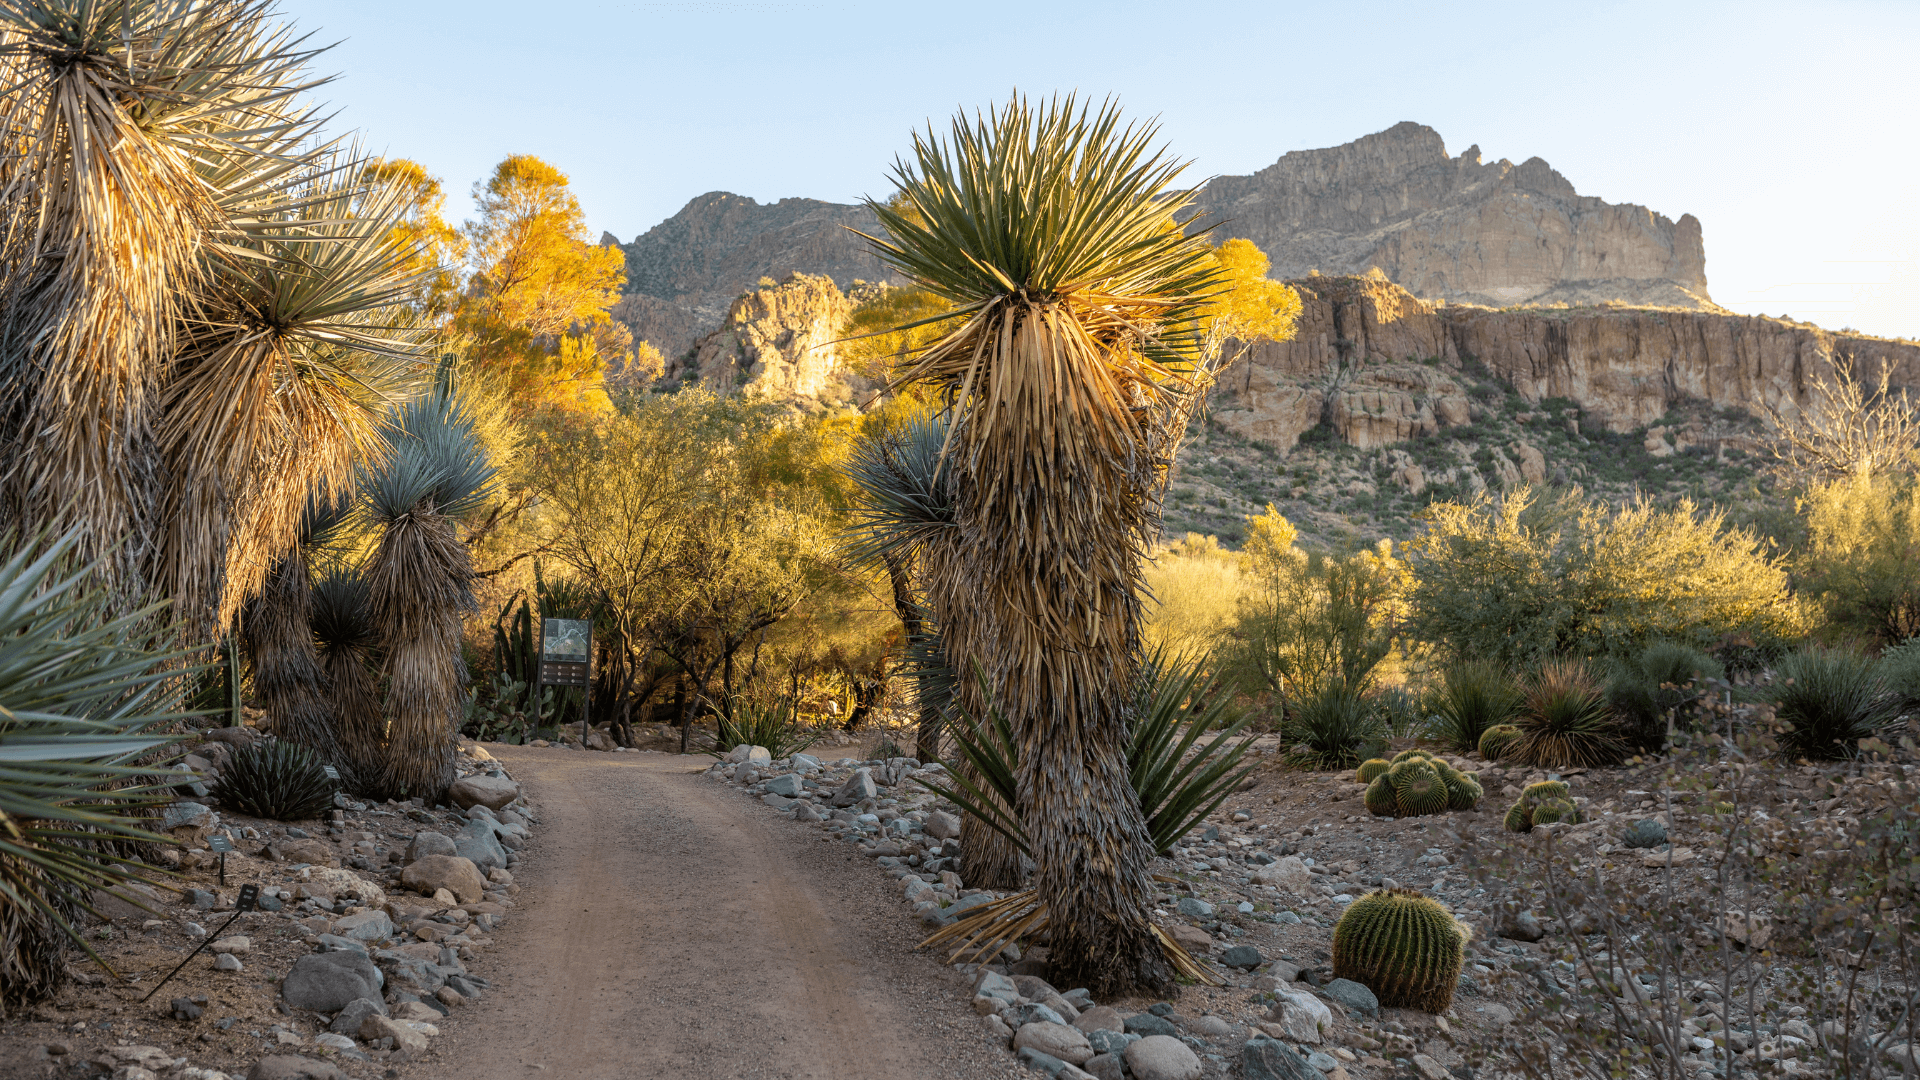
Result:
[[1787, 129]]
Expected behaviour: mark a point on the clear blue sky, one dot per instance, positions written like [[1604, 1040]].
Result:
[[1788, 129]]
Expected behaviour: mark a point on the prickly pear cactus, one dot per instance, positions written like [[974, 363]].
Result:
[[1403, 946], [1497, 740]]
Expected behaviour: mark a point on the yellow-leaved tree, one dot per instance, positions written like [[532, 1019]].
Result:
[[535, 311], [423, 229]]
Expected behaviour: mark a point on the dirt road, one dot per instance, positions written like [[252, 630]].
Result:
[[668, 927]]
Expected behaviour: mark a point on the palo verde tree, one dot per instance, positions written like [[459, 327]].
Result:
[[1072, 346]]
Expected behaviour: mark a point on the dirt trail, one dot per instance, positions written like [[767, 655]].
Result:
[[669, 928]]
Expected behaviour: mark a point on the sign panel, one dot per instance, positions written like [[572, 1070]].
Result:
[[558, 674], [566, 640], [219, 844]]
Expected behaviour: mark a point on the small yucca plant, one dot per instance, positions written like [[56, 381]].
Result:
[[773, 726], [1829, 700], [1473, 696], [1333, 728], [273, 778], [1657, 689], [1564, 720]]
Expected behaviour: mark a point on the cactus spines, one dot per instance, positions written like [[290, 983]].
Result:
[[1380, 798], [1403, 946], [1408, 755], [1546, 789], [1463, 789], [1370, 769], [1519, 817], [1497, 740], [1552, 810], [1417, 788], [1540, 804]]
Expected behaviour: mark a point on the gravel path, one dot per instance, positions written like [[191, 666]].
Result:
[[669, 928]]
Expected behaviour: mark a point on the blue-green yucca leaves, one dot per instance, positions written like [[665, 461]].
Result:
[[1179, 778], [435, 454], [76, 705], [906, 503]]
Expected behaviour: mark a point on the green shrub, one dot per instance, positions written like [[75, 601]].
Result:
[[1473, 696], [768, 724], [1403, 946], [1900, 666], [1334, 728], [1830, 699], [272, 778], [1861, 559], [1656, 687], [1564, 720]]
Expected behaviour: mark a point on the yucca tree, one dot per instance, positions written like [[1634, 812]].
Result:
[[1076, 301], [78, 698], [906, 520], [289, 679], [420, 584], [348, 644]]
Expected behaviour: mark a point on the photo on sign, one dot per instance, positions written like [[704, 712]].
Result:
[[565, 640]]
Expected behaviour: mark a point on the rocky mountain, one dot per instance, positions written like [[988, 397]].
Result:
[[1455, 228], [778, 343]]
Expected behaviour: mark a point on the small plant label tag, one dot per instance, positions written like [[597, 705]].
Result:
[[249, 896], [220, 844], [332, 773]]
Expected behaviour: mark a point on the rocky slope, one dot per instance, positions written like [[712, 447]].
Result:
[[778, 343], [1455, 228]]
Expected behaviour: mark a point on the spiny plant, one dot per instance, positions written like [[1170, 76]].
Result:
[[1564, 720], [1656, 688], [1404, 946], [1498, 741], [1473, 695], [274, 778], [1829, 700], [1371, 768], [1333, 727], [771, 724], [1556, 810], [1521, 816], [1416, 784]]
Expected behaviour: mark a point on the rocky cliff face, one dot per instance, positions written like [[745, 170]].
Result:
[[1454, 228], [777, 344], [1379, 366], [684, 274]]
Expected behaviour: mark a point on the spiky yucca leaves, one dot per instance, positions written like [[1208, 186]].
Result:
[[1069, 373], [1830, 699], [77, 702], [348, 644], [1333, 727], [1402, 945], [1417, 789], [420, 583], [273, 778], [1498, 741], [1473, 696], [1370, 769], [1564, 720]]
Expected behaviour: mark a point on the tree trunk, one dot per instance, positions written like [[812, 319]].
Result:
[[287, 676], [419, 586]]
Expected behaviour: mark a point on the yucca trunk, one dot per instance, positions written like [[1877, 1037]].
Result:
[[419, 586], [347, 640], [287, 677]]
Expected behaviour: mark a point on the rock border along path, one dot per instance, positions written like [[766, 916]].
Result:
[[668, 928]]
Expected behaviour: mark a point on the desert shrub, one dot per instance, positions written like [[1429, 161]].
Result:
[[273, 778], [1400, 711], [1334, 727], [1196, 588], [1657, 688], [1516, 578], [1829, 700], [768, 724], [1900, 666], [1564, 720], [1861, 557], [1473, 696]]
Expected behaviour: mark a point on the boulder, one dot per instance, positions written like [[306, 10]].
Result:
[[1162, 1057], [349, 886], [1305, 1018], [294, 1067], [429, 843], [366, 926], [1270, 1059], [330, 981], [1352, 995], [459, 876], [186, 815], [858, 788], [1054, 1040], [1288, 873], [942, 825], [1244, 957], [1191, 938], [1100, 1018], [405, 1038], [348, 1020], [477, 843], [744, 754], [787, 785], [480, 789]]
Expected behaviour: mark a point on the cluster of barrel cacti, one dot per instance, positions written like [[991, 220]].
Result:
[[1403, 946], [1497, 741], [1543, 803], [1416, 784]]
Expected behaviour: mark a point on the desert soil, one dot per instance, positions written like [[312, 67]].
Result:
[[669, 928]]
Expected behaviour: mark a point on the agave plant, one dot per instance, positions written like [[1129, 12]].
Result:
[[77, 705], [419, 584], [1072, 352], [1564, 720], [273, 778], [769, 724]]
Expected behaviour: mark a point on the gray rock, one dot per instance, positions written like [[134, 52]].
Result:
[[858, 788], [1144, 1024], [457, 875], [1080, 998], [786, 785], [366, 926], [1105, 1067], [492, 792], [202, 900], [184, 1009], [1323, 1061], [1020, 1016], [942, 826], [348, 1020], [1244, 957], [328, 982], [190, 782], [186, 815], [1646, 833], [1354, 996], [1522, 927], [1270, 1059], [477, 844], [1194, 908], [1054, 1040], [335, 943], [429, 843], [294, 1067], [806, 811], [1207, 1027], [1034, 1059], [805, 763], [1100, 1018], [228, 962], [1162, 1057], [1110, 1042]]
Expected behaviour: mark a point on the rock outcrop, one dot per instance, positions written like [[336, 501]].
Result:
[[1457, 229], [1379, 366], [684, 274], [778, 344]]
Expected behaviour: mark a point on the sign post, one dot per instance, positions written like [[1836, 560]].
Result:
[[566, 659]]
